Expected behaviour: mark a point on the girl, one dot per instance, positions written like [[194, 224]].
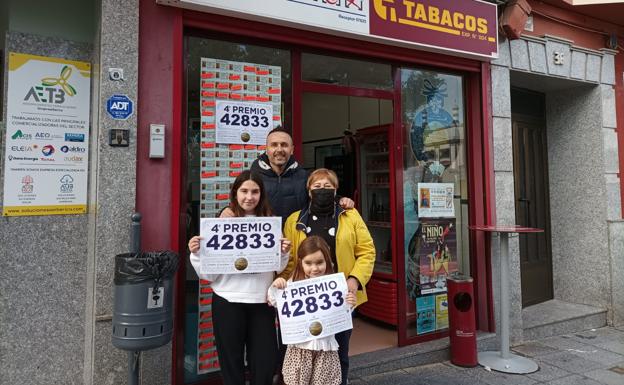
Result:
[[314, 362], [242, 319]]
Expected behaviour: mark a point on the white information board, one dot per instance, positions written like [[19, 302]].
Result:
[[436, 200], [47, 136], [313, 308], [240, 245], [243, 122]]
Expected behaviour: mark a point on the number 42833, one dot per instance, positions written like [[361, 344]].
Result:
[[241, 241], [298, 307]]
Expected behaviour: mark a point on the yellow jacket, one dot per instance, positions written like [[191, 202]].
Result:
[[355, 251]]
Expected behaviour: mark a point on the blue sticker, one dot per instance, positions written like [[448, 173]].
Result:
[[120, 107]]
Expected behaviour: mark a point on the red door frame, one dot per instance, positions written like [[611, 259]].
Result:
[[161, 84]]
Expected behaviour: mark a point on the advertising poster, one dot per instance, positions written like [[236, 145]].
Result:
[[425, 314], [437, 254], [435, 200], [240, 245], [47, 136], [313, 308], [441, 308]]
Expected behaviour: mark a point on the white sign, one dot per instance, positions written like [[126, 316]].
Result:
[[242, 122], [313, 308], [240, 245], [47, 136], [435, 200]]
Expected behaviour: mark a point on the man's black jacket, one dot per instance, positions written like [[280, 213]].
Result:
[[287, 192]]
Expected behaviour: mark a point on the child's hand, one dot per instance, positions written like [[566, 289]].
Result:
[[279, 283], [286, 245], [227, 213], [193, 244], [351, 299]]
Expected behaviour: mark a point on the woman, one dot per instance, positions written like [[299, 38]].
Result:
[[350, 243], [243, 321]]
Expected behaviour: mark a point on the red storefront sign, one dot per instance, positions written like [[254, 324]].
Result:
[[463, 26]]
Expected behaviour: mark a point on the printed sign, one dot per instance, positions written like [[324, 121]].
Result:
[[467, 27], [46, 149], [240, 245], [313, 308], [425, 314], [243, 123], [119, 107], [436, 255], [435, 200], [442, 321]]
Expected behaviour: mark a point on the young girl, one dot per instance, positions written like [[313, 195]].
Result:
[[314, 362], [242, 320]]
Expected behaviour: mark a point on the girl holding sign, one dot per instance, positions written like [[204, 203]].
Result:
[[242, 319], [314, 362]]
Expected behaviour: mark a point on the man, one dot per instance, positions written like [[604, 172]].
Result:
[[283, 177]]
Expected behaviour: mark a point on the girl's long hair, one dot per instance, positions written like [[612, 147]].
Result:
[[263, 209], [311, 245]]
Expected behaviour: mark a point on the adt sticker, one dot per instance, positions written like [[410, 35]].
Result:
[[120, 107]]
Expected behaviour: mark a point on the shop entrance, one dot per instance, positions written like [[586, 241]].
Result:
[[396, 137], [531, 194], [347, 125]]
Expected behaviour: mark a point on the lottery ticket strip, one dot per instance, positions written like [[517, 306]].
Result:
[[222, 163]]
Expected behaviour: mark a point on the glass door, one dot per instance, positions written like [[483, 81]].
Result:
[[218, 70], [434, 188]]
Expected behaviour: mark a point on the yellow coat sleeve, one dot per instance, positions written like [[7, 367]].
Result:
[[364, 250]]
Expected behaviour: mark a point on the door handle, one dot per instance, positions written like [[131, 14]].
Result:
[[527, 200]]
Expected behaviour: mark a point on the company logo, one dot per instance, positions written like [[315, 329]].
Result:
[[337, 5], [70, 137], [22, 148], [12, 158], [67, 184], [27, 184], [67, 149], [52, 90], [73, 158], [20, 135], [47, 150]]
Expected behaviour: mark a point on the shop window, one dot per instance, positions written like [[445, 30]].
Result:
[[221, 71], [434, 194], [346, 72]]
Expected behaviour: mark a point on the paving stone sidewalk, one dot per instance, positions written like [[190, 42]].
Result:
[[591, 357]]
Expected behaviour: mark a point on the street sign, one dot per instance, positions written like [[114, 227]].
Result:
[[120, 107]]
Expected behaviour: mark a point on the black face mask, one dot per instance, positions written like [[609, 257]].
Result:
[[322, 201]]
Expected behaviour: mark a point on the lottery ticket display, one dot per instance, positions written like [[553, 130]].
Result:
[[249, 100]]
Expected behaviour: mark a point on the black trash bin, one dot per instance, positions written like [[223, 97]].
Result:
[[143, 309], [462, 323]]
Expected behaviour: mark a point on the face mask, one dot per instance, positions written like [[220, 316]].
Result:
[[323, 199]]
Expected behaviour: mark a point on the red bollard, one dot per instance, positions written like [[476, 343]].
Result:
[[462, 325]]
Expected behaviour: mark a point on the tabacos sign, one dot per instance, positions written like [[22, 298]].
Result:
[[466, 26]]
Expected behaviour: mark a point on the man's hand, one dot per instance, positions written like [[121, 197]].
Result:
[[346, 203]]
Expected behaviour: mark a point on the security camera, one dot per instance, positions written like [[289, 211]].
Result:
[[116, 74]]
